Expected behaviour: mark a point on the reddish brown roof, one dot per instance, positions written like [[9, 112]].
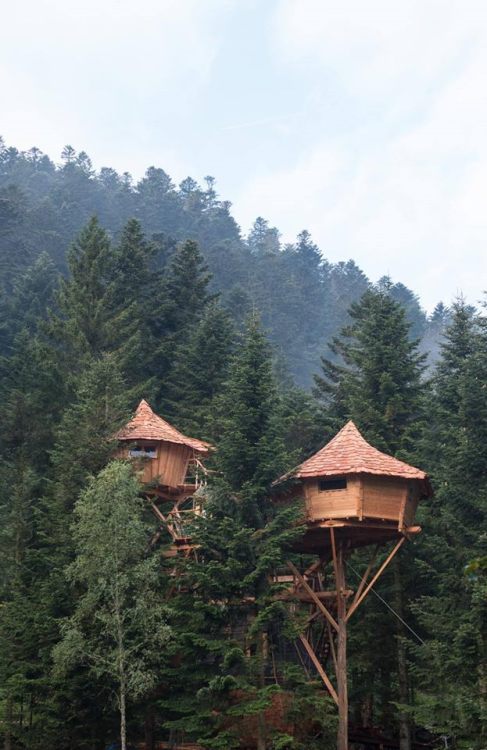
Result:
[[146, 425], [349, 453]]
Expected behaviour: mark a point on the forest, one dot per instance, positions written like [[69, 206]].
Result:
[[113, 291]]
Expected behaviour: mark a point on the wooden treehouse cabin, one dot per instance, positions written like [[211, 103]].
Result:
[[353, 495], [171, 469], [366, 496]]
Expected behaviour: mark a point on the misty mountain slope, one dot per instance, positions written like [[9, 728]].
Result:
[[303, 298]]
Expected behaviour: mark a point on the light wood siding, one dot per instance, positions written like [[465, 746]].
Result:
[[169, 467], [383, 497], [323, 504]]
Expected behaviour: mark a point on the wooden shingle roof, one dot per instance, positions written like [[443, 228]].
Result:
[[146, 425], [349, 453]]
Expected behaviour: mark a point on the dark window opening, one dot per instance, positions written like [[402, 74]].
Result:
[[338, 483], [143, 451]]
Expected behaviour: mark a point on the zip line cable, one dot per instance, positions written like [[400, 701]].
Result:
[[390, 608]]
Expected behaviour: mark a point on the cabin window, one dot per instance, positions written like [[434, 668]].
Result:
[[337, 483], [143, 451]]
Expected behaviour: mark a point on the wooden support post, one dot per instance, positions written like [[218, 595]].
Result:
[[374, 579], [319, 668], [342, 683]]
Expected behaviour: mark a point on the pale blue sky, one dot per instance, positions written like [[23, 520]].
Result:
[[364, 121]]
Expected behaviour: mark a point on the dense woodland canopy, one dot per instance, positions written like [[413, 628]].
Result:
[[302, 298], [112, 291]]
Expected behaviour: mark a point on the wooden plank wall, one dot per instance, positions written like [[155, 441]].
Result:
[[321, 505], [366, 496], [170, 464], [384, 497]]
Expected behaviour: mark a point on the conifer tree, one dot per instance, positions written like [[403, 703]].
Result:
[[377, 379], [95, 308], [84, 438], [200, 371], [251, 451], [377, 383], [452, 609], [184, 301]]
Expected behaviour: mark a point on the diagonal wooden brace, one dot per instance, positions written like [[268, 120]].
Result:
[[319, 668], [376, 576], [313, 596]]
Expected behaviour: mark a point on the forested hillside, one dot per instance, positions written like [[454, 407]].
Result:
[[160, 297], [303, 299]]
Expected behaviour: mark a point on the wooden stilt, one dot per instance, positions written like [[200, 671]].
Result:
[[319, 668], [342, 685], [313, 596]]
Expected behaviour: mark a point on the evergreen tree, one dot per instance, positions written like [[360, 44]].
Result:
[[200, 372], [251, 452], [185, 299], [377, 380], [377, 383], [84, 437], [451, 609]]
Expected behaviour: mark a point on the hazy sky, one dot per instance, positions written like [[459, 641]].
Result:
[[364, 121]]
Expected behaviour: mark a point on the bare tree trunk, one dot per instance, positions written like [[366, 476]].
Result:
[[7, 743], [123, 718], [402, 666]]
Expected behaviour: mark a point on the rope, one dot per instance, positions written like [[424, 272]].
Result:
[[390, 608]]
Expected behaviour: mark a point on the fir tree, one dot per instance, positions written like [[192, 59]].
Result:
[[377, 380], [451, 609], [251, 452], [377, 383], [200, 371]]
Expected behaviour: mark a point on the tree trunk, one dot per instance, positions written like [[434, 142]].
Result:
[[7, 744], [123, 719], [402, 666], [149, 729]]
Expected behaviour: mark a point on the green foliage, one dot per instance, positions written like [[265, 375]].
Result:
[[118, 627], [251, 450], [451, 606], [377, 381], [155, 317]]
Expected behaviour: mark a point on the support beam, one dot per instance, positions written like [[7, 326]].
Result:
[[319, 668], [365, 576], [342, 683], [374, 579], [313, 596]]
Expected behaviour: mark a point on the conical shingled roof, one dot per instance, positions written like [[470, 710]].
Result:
[[146, 425], [349, 453]]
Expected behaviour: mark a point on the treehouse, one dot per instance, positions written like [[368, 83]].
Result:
[[352, 495], [366, 495], [170, 463]]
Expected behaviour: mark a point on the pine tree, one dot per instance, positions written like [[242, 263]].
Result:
[[451, 609], [185, 298], [377, 383], [200, 371], [94, 306], [251, 452], [83, 439], [377, 380]]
